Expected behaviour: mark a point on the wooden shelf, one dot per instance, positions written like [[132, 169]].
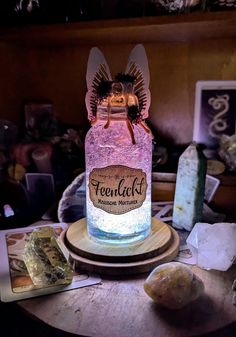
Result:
[[172, 28]]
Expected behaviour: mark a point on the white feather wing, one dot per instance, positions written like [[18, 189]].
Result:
[[138, 66], [97, 69]]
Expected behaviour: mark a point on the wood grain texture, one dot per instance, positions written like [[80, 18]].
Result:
[[189, 27], [49, 63], [80, 243], [127, 268], [121, 308], [223, 201], [57, 74]]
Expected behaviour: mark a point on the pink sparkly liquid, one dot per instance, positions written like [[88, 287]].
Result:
[[105, 147]]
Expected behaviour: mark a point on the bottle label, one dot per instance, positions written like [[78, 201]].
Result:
[[117, 189]]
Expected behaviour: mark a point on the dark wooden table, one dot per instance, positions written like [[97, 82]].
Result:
[[121, 308]]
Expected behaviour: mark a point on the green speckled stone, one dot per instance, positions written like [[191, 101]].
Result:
[[190, 188]]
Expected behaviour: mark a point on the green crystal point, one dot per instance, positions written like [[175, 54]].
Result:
[[44, 259], [190, 188]]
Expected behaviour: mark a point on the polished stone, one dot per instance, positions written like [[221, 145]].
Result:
[[44, 259], [173, 285], [190, 188]]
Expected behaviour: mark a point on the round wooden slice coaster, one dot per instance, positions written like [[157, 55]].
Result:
[[81, 244], [126, 268]]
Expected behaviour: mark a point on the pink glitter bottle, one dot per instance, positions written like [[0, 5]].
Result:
[[118, 150]]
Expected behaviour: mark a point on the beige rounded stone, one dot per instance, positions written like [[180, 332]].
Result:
[[215, 167], [173, 285]]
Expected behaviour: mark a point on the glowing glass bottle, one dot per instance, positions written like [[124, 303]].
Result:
[[118, 172]]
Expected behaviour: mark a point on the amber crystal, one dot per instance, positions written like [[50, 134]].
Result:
[[45, 260]]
